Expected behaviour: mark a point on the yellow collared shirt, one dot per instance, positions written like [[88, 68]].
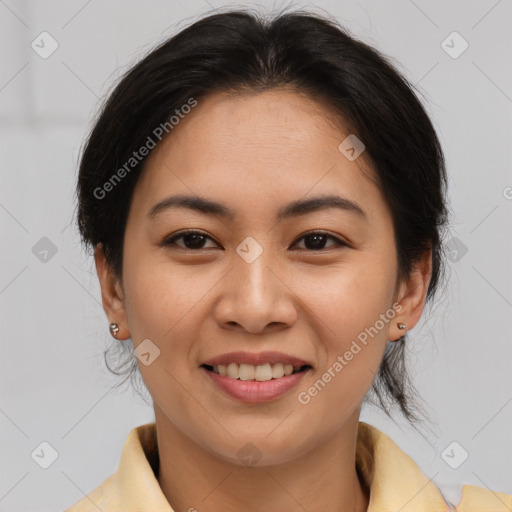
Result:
[[395, 481]]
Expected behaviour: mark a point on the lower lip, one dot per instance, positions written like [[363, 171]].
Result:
[[253, 392]]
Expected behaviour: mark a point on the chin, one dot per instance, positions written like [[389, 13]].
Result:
[[256, 450]]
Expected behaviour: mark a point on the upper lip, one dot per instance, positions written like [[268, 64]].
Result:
[[256, 359]]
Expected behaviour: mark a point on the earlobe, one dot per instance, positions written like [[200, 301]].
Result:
[[112, 294], [412, 295]]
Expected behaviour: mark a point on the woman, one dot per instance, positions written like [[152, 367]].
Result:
[[266, 203]]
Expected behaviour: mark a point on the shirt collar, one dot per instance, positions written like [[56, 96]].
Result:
[[395, 481]]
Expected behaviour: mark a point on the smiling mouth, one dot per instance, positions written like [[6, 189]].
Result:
[[261, 373]]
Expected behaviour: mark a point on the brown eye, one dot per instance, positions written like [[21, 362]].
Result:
[[195, 240], [192, 240], [316, 240]]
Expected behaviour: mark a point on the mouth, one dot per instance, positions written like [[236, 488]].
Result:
[[259, 373]]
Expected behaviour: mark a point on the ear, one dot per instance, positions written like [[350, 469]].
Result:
[[112, 293], [412, 295]]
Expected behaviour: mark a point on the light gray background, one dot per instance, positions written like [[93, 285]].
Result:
[[54, 386]]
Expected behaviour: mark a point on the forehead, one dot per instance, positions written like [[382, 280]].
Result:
[[254, 148]]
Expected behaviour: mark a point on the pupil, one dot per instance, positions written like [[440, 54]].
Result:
[[197, 240], [318, 243]]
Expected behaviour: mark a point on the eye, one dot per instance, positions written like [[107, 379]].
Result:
[[195, 240], [317, 240]]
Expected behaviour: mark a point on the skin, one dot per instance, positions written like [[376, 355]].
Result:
[[255, 153]]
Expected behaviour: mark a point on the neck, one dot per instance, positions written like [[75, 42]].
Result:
[[325, 479]]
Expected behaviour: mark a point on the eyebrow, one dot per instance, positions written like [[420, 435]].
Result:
[[293, 209]]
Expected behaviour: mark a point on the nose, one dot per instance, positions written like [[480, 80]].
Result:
[[255, 298]]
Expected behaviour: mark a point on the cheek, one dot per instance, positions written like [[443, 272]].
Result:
[[167, 306], [351, 314], [347, 300], [161, 296], [352, 340]]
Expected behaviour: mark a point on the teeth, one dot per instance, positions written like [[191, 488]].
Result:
[[263, 372], [232, 370], [246, 372], [260, 372], [288, 369], [277, 370]]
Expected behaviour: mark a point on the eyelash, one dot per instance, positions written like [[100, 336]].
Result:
[[171, 240]]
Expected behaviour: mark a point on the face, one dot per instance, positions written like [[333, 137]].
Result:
[[317, 284]]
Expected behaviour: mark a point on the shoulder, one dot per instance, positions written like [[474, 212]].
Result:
[[134, 486], [396, 482], [99, 497], [479, 499]]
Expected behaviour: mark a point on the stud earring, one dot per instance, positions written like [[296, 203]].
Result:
[[114, 329], [402, 327]]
